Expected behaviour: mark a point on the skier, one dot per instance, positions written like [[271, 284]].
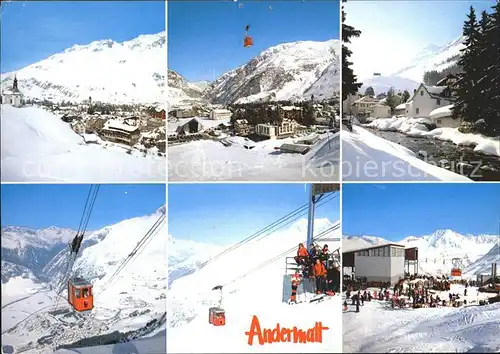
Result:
[[296, 279], [465, 292], [302, 259], [345, 305], [357, 304]]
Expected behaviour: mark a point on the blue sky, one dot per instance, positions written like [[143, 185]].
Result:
[[206, 38], [42, 205], [395, 31], [395, 211], [35, 30], [225, 213]]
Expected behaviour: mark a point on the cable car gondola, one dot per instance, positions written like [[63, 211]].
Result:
[[248, 40], [217, 315], [80, 294], [456, 272]]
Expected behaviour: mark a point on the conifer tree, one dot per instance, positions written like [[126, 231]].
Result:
[[349, 84], [466, 105]]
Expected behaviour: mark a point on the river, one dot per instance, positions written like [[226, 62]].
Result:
[[457, 158]]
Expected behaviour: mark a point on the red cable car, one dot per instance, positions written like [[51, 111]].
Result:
[[80, 294], [217, 316], [456, 272], [248, 40]]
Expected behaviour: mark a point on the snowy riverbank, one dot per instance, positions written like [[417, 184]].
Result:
[[416, 127]]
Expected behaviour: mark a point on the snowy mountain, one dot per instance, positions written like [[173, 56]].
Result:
[[382, 84], [11, 270], [289, 71], [431, 58], [181, 92], [251, 277], [185, 256], [129, 72], [483, 264], [437, 250], [130, 306], [32, 249]]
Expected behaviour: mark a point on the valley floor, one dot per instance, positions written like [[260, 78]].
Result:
[[367, 157], [38, 146], [209, 160], [379, 328]]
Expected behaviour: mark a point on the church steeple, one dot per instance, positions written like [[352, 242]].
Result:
[[14, 86]]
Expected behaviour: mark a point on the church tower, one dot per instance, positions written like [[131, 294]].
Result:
[[14, 86]]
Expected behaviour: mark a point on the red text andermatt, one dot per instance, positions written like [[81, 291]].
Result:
[[281, 334]]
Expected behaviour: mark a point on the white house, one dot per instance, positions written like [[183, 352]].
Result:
[[13, 96], [363, 106], [79, 126], [347, 103], [275, 131], [217, 114], [442, 117], [426, 99], [381, 111], [400, 110]]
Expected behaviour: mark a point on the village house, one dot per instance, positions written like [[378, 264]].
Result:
[[120, 132], [217, 114], [442, 117], [380, 111], [426, 99], [276, 131], [363, 107], [94, 124], [13, 96], [159, 113], [290, 112], [400, 110], [241, 127], [183, 113], [193, 126], [348, 102], [79, 126]]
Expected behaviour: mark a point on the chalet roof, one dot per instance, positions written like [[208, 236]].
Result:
[[401, 106], [433, 91], [366, 99], [291, 108], [441, 112], [115, 124]]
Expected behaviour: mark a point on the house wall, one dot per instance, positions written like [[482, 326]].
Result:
[[265, 130], [373, 268], [217, 115], [423, 104], [397, 268], [447, 122], [381, 112]]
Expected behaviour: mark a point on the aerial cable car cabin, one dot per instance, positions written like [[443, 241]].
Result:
[[248, 40], [80, 294], [217, 315]]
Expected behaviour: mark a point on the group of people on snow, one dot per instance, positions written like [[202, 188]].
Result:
[[317, 263]]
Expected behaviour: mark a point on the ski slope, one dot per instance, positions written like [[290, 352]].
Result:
[[37, 146], [367, 157], [207, 160], [377, 328], [251, 287]]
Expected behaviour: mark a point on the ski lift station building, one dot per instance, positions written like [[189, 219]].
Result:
[[381, 263]]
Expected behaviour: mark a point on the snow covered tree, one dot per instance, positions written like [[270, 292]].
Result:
[[349, 83], [406, 96], [466, 106], [370, 91]]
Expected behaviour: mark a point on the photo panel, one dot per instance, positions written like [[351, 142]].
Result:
[[82, 91], [254, 268], [84, 268], [253, 90], [420, 93], [419, 267]]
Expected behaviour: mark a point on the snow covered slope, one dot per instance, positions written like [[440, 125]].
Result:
[[432, 58], [289, 71], [180, 92], [129, 72], [367, 157], [379, 329], [133, 304], [250, 287], [483, 264], [437, 250], [39, 146]]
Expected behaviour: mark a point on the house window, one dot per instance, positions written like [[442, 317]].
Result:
[[417, 110], [421, 93], [438, 101], [439, 121]]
